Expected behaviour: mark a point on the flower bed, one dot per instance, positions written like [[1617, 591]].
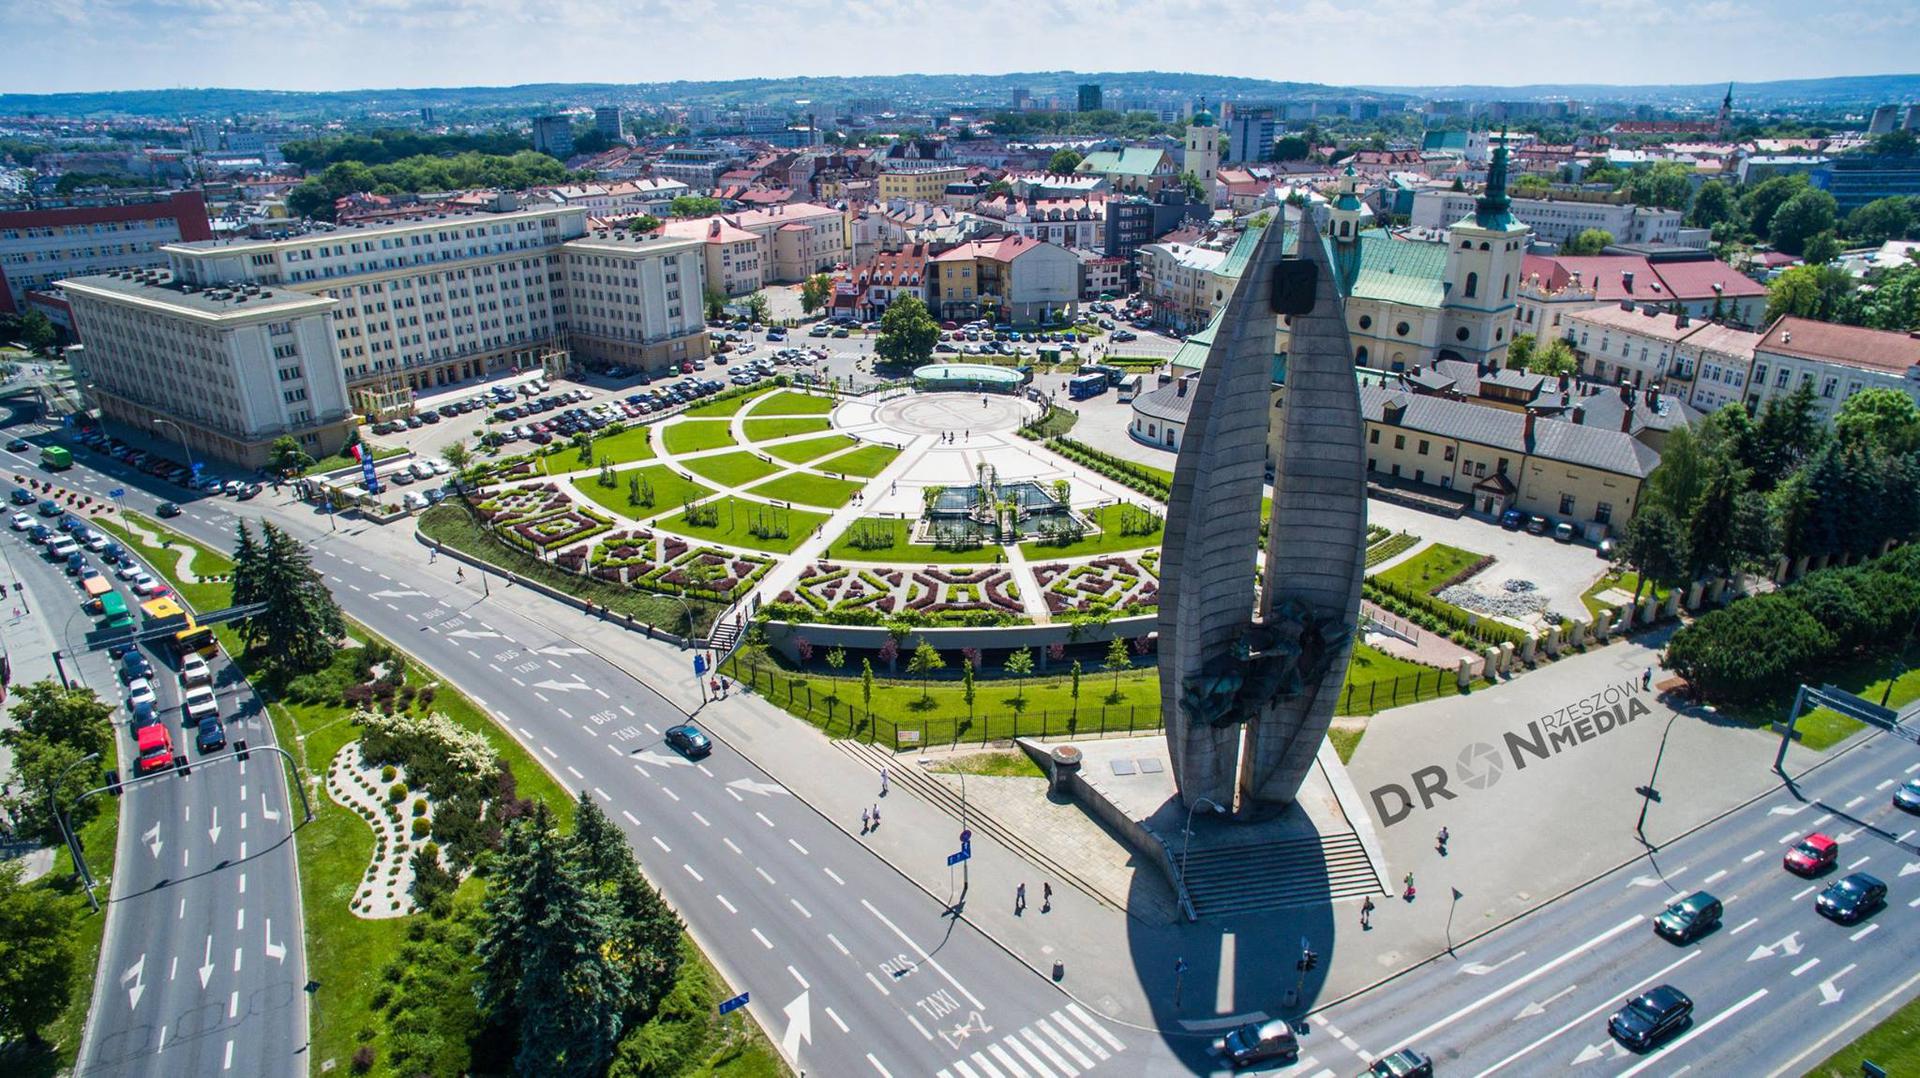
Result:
[[1111, 584]]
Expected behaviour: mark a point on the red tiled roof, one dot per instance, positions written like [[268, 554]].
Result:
[[1697, 280], [1850, 346], [1652, 282]]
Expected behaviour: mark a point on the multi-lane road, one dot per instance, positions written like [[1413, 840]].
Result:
[[202, 964], [855, 970]]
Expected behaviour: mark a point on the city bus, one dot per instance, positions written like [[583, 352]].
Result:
[[1129, 387], [1086, 385], [189, 636]]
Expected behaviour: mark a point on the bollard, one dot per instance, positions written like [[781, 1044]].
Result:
[[1626, 619], [1577, 633], [1464, 674], [1059, 970], [1800, 566], [1506, 657], [1553, 641], [1528, 647], [1694, 592], [1716, 590], [1649, 610], [1602, 625], [1490, 663], [1671, 609]]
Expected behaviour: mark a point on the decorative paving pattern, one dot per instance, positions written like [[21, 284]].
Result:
[[956, 594], [364, 788]]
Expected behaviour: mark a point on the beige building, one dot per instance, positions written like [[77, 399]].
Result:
[[1008, 278], [1183, 282], [791, 243], [919, 184], [735, 259], [1703, 363], [230, 370], [1835, 361], [636, 301]]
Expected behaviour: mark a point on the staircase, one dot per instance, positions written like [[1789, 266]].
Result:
[[1297, 872], [906, 773], [728, 630]]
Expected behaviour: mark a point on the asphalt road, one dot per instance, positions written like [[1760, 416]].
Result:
[[202, 963], [855, 970]]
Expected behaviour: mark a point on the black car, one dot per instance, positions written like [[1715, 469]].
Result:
[[134, 665], [689, 739], [1406, 1063], [1651, 1017], [167, 509], [39, 533], [212, 735], [1688, 917], [1907, 796], [18, 445], [1848, 900], [21, 497]]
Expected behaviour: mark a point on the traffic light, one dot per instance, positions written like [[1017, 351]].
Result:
[[1308, 960]]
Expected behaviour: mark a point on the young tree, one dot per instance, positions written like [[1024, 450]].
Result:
[[966, 685], [1520, 351], [54, 728], [37, 947], [836, 658], [1590, 241], [36, 331], [694, 206], [907, 332], [1074, 690], [458, 457], [925, 662], [285, 455], [301, 620], [815, 292], [1064, 161], [1555, 359], [1020, 664], [1118, 661], [716, 303], [1195, 190], [643, 224], [866, 685], [759, 308]]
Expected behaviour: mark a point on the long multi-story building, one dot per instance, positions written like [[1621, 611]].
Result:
[[41, 246], [227, 369], [635, 300], [1834, 361], [1557, 220]]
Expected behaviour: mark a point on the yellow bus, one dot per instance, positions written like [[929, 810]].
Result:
[[190, 636]]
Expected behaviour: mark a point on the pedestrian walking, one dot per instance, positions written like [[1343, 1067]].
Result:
[[1366, 914], [460, 572], [1409, 882], [1020, 899], [1646, 679], [432, 553], [1441, 840], [883, 782], [1046, 896], [876, 817], [864, 821]]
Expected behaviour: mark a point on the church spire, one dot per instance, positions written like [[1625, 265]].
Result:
[[1491, 210]]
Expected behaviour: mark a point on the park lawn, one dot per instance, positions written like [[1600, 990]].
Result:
[[730, 469], [793, 402], [1626, 580], [866, 461], [670, 488], [1346, 740], [1010, 765], [454, 525], [1427, 570], [1894, 1044], [726, 405], [903, 549], [736, 520], [202, 597], [693, 435], [634, 443], [808, 489], [1822, 728], [1377, 681], [1105, 541], [802, 452], [99, 838], [765, 430]]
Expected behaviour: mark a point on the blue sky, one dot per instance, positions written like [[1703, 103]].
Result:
[[307, 45]]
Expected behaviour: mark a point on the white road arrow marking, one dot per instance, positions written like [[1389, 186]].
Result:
[[799, 1026], [270, 813], [213, 832], [206, 970], [275, 951], [152, 836], [1788, 944], [558, 650], [659, 760], [1656, 881], [1590, 1053], [1830, 994], [397, 594], [137, 974], [561, 686], [475, 634], [1480, 969], [1784, 810], [1532, 1009], [764, 789], [1909, 868]]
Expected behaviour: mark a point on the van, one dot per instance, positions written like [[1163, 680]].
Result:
[[194, 671]]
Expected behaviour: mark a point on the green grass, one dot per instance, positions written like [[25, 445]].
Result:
[[903, 550], [1011, 765], [1056, 422], [202, 597], [802, 452], [765, 430], [1626, 580], [1346, 740], [1823, 728], [807, 489], [451, 523], [730, 469], [692, 436], [867, 461], [1106, 541], [1391, 547], [1894, 1044], [725, 405], [1377, 681], [736, 520], [1038, 704], [62, 1035], [341, 460], [634, 443], [792, 402], [1429, 569], [670, 489]]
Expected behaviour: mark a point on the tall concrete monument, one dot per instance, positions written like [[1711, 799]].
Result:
[[1251, 661]]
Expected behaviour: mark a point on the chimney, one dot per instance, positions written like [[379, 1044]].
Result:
[[1180, 389], [1579, 414], [1680, 321], [1528, 432], [1626, 279], [1653, 395], [1565, 382], [1626, 419]]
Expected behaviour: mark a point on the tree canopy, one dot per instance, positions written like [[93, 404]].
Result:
[[301, 623], [907, 332], [315, 196], [1064, 161], [1590, 241]]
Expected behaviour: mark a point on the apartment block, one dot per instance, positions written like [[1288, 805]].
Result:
[[635, 301], [41, 246]]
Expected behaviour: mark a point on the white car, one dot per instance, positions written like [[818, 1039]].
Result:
[[440, 467], [129, 571], [194, 670], [413, 500], [21, 522], [146, 585], [139, 692], [94, 542], [201, 704]]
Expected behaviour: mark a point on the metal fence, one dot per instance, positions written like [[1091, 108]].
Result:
[[1369, 697]]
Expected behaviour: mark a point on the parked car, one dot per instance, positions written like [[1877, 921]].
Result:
[[1688, 917], [1513, 520], [1537, 525], [1258, 1042], [1563, 532], [1812, 855], [1651, 1017], [1852, 898], [689, 740]]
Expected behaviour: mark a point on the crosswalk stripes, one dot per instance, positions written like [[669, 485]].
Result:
[[1063, 1044]]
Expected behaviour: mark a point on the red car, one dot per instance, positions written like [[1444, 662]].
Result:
[[1812, 855]]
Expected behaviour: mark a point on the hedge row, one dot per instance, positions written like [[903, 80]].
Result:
[[1436, 616], [1138, 477]]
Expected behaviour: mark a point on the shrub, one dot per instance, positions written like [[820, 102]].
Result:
[[388, 773], [440, 756], [397, 793], [421, 827], [419, 806], [363, 1058]]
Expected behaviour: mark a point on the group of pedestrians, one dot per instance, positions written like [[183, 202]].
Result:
[[1020, 898], [1407, 890]]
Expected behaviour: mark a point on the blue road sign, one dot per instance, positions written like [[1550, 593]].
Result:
[[198, 466], [117, 492], [699, 665], [955, 858], [735, 1003]]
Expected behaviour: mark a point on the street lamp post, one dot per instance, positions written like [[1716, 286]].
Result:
[[182, 431], [66, 831], [1212, 806], [1648, 792]]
